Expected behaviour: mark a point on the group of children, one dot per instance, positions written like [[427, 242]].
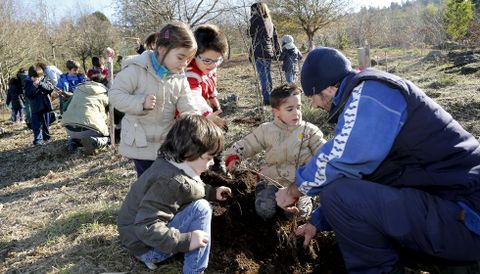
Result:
[[172, 131], [30, 94]]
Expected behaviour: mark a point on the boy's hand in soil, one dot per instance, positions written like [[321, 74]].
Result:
[[308, 231], [199, 239], [149, 102], [287, 198], [223, 192]]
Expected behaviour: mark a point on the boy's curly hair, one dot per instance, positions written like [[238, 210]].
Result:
[[281, 93], [209, 37], [190, 137]]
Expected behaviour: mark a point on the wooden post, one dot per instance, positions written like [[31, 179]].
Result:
[[111, 111], [386, 61], [364, 57]]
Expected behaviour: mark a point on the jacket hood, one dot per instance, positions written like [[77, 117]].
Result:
[[91, 88], [142, 60]]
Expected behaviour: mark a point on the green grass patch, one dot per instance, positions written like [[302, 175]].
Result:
[[81, 220], [443, 81]]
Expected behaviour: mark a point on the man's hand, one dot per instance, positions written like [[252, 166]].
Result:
[[308, 231], [199, 239], [287, 198], [149, 102], [223, 192]]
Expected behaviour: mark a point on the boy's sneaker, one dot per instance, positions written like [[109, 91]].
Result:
[[150, 263], [38, 143], [88, 144]]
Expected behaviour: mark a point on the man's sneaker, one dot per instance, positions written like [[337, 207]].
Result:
[[88, 144]]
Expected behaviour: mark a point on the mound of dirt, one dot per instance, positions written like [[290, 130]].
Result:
[[244, 243]]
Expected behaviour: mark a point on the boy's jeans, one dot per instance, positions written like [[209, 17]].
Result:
[[40, 122], [264, 70], [17, 114], [196, 216], [290, 76]]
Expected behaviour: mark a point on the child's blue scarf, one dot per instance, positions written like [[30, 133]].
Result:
[[160, 70]]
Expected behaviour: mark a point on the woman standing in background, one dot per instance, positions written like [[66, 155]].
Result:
[[265, 46]]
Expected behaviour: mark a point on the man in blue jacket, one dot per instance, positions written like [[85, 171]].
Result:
[[400, 173]]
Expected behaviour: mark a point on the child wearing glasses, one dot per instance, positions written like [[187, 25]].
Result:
[[149, 90], [202, 70]]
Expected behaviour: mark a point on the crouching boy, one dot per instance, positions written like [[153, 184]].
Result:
[[166, 210], [288, 142]]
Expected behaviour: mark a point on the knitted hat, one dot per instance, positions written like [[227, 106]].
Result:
[[322, 68], [287, 39]]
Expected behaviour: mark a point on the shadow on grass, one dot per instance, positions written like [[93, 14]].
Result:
[[89, 249], [57, 165]]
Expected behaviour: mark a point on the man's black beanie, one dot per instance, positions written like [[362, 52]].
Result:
[[322, 68]]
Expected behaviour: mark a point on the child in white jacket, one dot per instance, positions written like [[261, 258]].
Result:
[[149, 90]]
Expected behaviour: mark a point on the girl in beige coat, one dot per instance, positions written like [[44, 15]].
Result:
[[288, 143], [149, 89]]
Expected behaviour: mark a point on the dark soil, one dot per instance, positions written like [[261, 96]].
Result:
[[244, 243]]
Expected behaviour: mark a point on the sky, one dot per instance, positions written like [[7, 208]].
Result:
[[62, 7], [375, 3]]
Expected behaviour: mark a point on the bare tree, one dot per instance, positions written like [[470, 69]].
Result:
[[311, 15], [21, 42], [87, 37], [432, 27], [144, 16]]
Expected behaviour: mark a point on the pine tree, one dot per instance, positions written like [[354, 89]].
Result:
[[458, 16]]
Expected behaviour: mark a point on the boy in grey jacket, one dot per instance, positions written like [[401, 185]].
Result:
[[166, 211]]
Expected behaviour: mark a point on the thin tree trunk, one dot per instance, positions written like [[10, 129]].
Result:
[[310, 41]]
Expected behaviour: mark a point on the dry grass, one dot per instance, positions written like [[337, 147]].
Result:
[[57, 211]]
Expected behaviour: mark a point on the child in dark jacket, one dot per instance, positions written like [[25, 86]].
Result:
[[166, 210], [15, 97], [38, 91], [290, 56]]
